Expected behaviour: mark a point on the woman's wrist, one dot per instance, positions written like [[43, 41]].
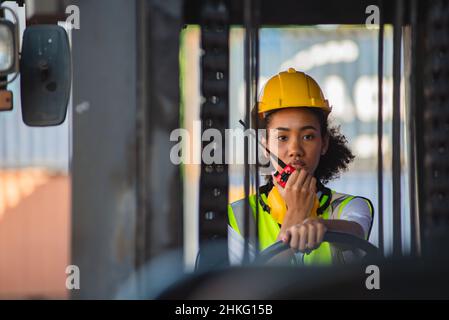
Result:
[[293, 217]]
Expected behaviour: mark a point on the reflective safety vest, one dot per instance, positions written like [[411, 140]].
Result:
[[269, 229]]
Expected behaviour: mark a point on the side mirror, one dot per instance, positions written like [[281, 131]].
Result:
[[46, 74]]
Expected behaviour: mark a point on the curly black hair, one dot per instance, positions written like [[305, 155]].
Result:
[[338, 155]]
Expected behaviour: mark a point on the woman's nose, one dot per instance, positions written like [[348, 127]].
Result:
[[295, 148]]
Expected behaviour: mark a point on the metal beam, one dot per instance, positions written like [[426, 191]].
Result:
[[293, 12], [127, 195], [396, 130], [160, 217], [104, 146], [214, 180], [380, 120]]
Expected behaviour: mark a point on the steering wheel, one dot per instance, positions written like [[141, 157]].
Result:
[[341, 238]]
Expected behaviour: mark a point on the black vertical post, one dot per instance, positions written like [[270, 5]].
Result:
[[414, 218], [160, 215], [396, 132], [380, 179], [418, 95], [214, 180], [255, 77], [436, 128], [251, 65], [247, 13]]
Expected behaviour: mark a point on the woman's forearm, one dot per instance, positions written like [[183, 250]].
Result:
[[344, 226]]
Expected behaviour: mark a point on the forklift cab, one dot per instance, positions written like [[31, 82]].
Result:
[[147, 79], [373, 72]]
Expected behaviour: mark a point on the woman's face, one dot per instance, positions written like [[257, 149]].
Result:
[[294, 135]]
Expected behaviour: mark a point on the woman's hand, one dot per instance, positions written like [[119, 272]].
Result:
[[306, 236], [299, 196]]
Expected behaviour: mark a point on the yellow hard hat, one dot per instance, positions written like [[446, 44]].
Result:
[[291, 88]]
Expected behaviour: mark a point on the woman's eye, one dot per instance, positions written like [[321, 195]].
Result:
[[282, 138], [308, 137]]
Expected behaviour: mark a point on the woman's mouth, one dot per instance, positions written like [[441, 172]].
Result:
[[298, 164]]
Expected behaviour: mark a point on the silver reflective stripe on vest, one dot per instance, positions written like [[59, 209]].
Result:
[[238, 208], [334, 204], [236, 246]]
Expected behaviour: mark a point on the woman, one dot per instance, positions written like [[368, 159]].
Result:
[[294, 111]]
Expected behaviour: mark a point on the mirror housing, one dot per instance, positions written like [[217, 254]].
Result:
[[46, 75], [9, 48]]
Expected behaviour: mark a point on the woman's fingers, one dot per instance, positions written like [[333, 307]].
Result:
[[295, 236], [285, 238], [306, 236], [306, 182], [302, 177], [312, 185], [321, 230], [311, 236], [292, 180], [302, 238]]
